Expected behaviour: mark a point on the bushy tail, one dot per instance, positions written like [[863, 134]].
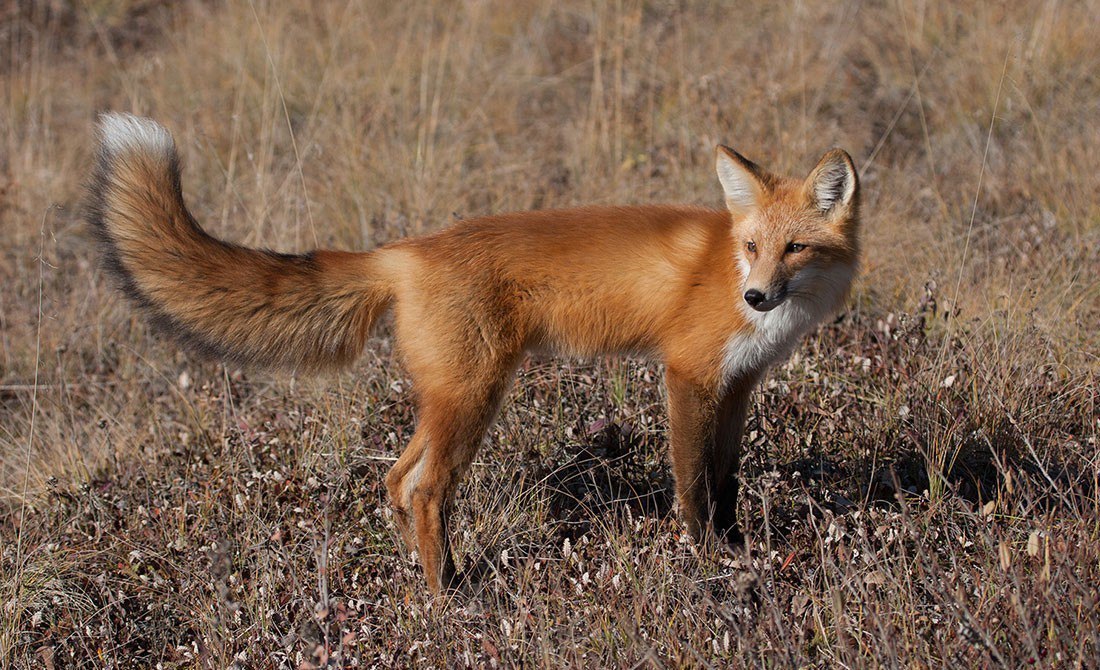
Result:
[[250, 306]]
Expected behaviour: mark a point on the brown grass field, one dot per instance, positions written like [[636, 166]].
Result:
[[921, 477]]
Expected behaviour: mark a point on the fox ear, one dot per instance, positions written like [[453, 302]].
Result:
[[743, 181], [833, 185]]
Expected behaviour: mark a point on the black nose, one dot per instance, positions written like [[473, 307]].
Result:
[[754, 297]]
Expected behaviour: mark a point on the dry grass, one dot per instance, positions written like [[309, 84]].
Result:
[[921, 479]]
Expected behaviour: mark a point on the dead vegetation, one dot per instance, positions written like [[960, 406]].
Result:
[[921, 478]]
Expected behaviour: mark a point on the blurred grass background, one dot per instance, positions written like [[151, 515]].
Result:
[[921, 475]]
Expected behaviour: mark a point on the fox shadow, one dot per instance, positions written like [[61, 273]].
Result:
[[616, 470], [611, 471], [983, 467]]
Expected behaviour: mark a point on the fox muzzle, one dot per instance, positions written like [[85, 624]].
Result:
[[765, 302]]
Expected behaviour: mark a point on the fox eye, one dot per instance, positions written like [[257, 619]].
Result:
[[751, 246], [794, 247]]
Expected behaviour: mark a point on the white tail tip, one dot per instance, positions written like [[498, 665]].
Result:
[[121, 133]]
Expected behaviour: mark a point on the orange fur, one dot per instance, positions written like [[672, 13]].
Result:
[[471, 300]]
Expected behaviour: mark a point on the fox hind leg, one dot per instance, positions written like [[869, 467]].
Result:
[[453, 421], [400, 481]]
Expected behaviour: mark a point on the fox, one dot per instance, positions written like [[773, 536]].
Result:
[[718, 296]]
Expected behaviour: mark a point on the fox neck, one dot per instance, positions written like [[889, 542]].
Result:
[[771, 336]]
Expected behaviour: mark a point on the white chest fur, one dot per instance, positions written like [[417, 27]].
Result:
[[814, 294]]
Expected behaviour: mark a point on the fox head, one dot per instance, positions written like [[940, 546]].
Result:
[[794, 241]]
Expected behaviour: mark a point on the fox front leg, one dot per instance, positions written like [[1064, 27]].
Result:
[[706, 426], [732, 410]]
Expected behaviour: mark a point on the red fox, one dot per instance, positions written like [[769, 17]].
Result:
[[717, 296]]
